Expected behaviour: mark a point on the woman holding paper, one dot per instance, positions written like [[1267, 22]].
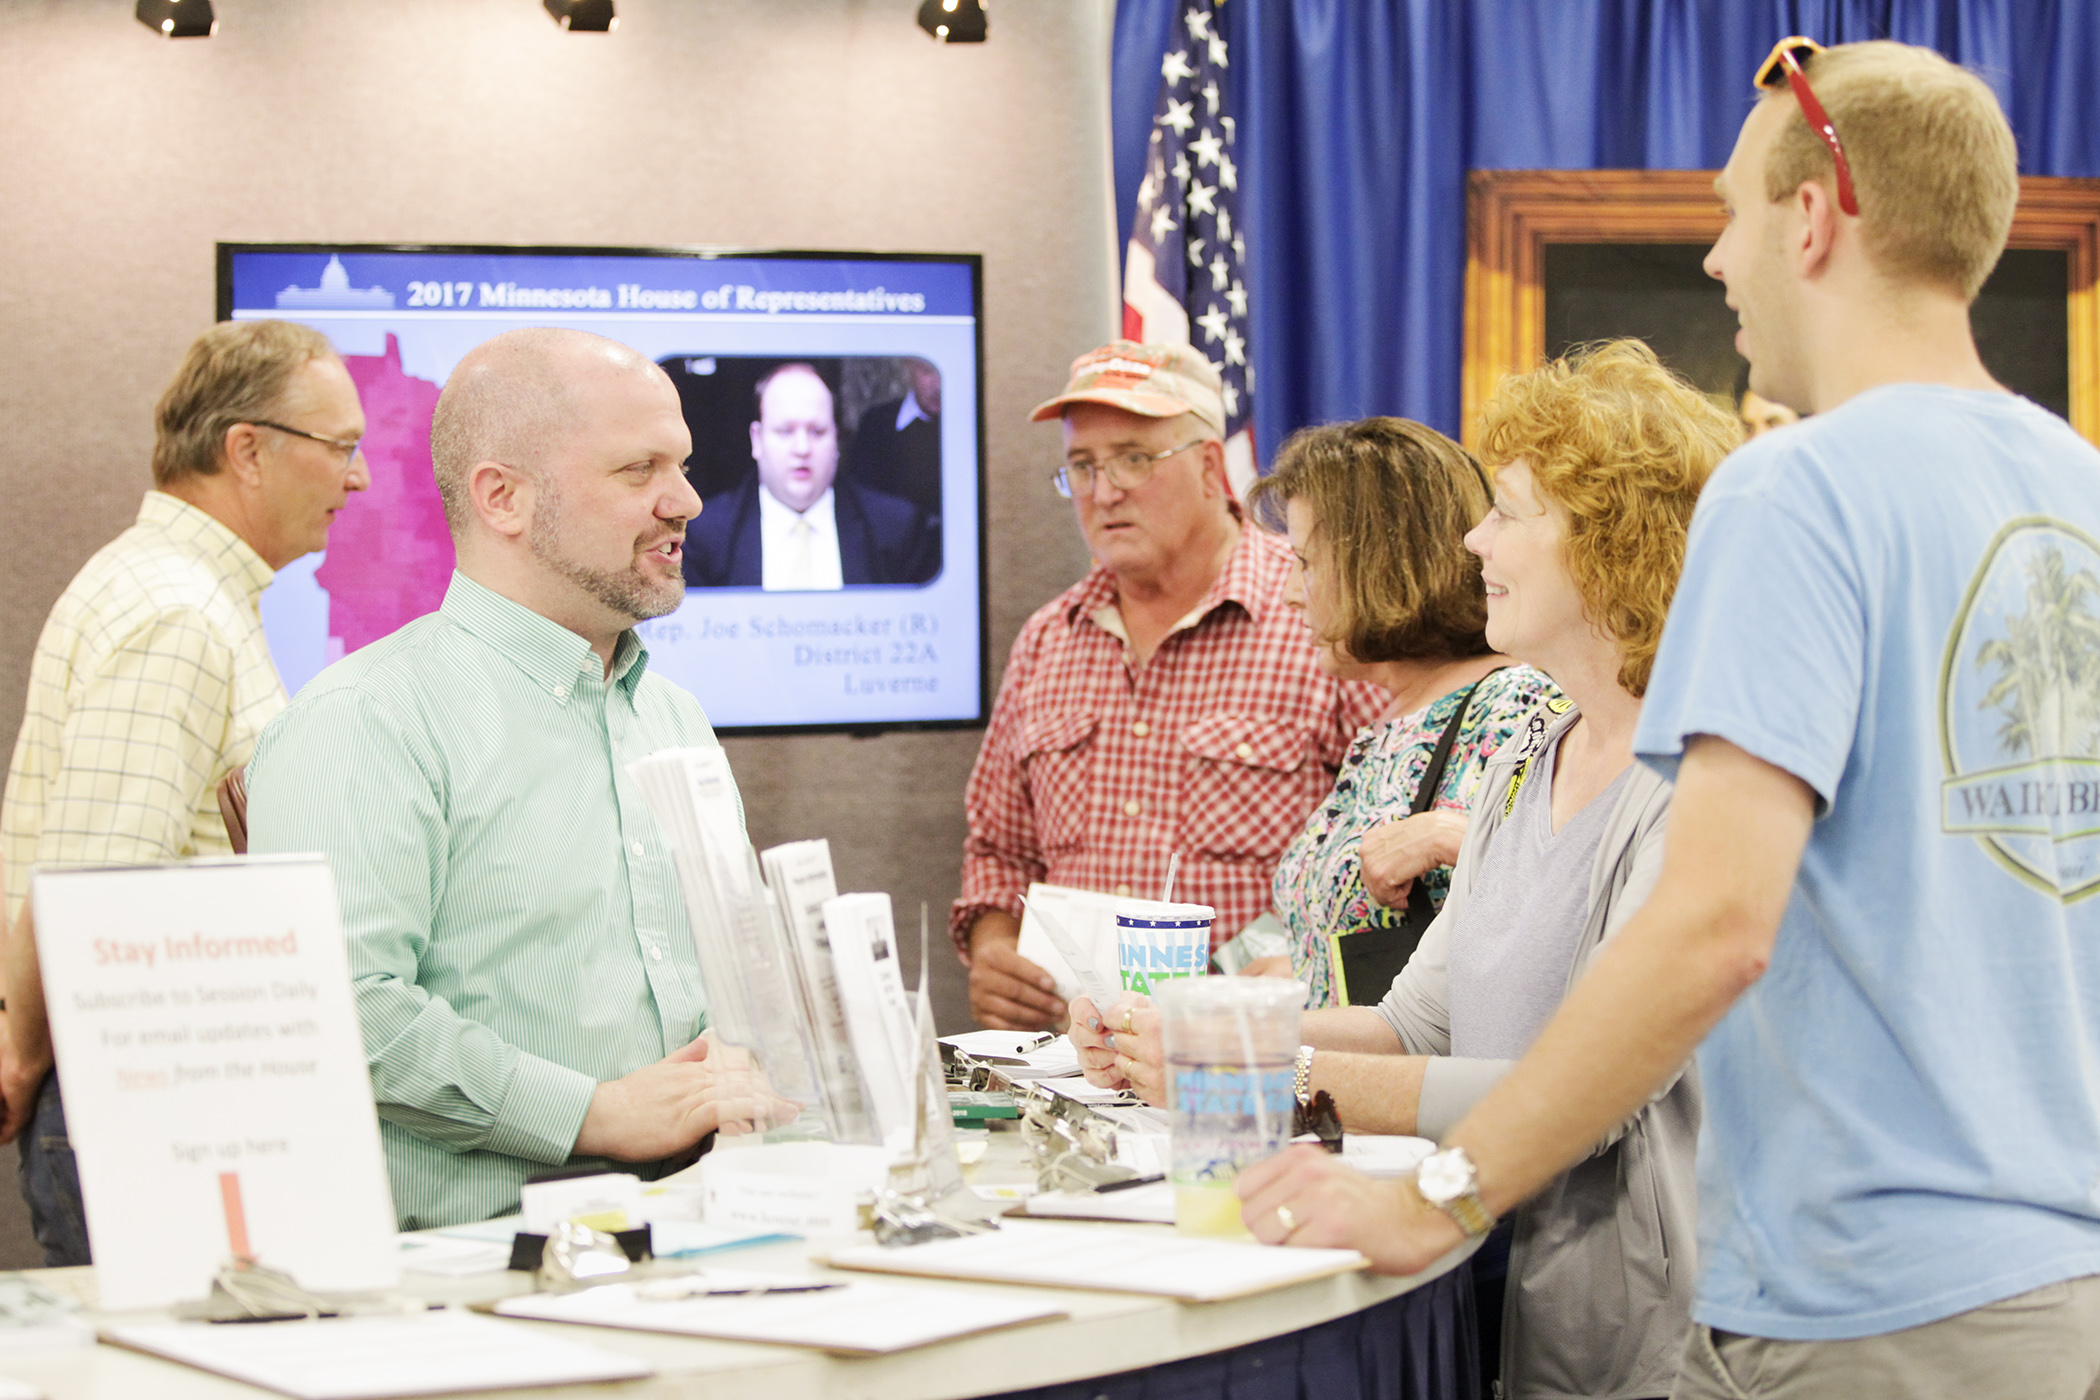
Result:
[[1597, 460]]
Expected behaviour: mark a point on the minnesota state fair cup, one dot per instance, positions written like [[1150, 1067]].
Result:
[[1157, 942], [1231, 1043]]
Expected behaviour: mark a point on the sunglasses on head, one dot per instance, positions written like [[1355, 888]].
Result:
[[1783, 66]]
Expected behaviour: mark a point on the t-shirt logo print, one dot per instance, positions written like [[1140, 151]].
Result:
[[2020, 708]]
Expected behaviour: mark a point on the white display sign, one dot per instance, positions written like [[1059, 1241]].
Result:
[[214, 1075]]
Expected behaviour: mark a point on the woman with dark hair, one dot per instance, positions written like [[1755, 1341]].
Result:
[[1377, 513]]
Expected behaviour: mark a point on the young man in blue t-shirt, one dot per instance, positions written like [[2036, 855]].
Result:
[[1879, 693]]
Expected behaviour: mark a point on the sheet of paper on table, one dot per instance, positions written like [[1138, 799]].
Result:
[[216, 1088], [1009, 1045], [1057, 1059], [865, 1318], [1107, 1259], [356, 1357], [18, 1390], [1151, 1204], [1084, 1092], [459, 1251], [443, 1257]]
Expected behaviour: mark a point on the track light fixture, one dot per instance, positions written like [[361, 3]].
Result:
[[583, 16], [178, 19], [954, 21]]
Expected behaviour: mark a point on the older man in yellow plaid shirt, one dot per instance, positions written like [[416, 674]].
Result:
[[151, 679]]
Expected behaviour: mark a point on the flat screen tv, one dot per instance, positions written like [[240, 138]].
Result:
[[870, 366]]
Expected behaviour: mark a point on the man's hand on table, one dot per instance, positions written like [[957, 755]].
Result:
[[1325, 1205], [1007, 991], [1113, 1057], [661, 1110]]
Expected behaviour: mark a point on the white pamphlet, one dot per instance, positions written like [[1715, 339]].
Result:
[[1071, 934], [215, 1080], [879, 1013], [801, 878], [351, 1358]]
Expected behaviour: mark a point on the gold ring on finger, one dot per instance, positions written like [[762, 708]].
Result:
[[1288, 1221]]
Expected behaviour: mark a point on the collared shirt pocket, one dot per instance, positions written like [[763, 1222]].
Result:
[[1057, 762], [1249, 784]]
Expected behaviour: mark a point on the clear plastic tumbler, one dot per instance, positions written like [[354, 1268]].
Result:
[[1231, 1044]]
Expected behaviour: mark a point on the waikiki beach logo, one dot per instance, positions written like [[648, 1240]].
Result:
[[2020, 708]]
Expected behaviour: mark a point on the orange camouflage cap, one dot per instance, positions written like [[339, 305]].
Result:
[[1157, 381]]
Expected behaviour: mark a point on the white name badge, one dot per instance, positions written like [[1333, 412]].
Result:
[[214, 1076]]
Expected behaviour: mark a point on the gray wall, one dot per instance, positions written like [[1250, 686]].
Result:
[[760, 123]]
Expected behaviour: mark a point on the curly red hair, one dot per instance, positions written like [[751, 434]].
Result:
[[1623, 447]]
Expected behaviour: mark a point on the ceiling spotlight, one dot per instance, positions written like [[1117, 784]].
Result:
[[583, 16], [953, 21], [178, 19]]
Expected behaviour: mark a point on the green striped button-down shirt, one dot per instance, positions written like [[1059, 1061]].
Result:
[[515, 926]]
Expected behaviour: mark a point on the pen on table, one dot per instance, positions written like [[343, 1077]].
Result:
[[1128, 1182]]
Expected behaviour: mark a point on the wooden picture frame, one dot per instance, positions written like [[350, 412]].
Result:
[[1513, 215]]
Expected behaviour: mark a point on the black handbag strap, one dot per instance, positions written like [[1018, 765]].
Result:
[[1419, 909], [1367, 960], [1440, 757]]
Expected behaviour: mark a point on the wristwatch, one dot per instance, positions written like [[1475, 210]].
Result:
[[1448, 1181]]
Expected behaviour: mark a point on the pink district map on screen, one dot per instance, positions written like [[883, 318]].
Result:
[[389, 554]]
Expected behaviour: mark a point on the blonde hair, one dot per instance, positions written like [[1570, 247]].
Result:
[[236, 372], [1623, 447], [1933, 161], [1391, 501]]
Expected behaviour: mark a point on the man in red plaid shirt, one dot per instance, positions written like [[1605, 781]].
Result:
[[1167, 702]]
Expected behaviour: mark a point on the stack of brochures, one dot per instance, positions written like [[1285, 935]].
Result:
[[802, 883], [895, 1043], [756, 993], [809, 980]]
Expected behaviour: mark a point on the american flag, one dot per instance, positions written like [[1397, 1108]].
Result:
[[1184, 274]]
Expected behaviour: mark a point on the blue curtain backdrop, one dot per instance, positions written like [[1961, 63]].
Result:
[[1360, 119]]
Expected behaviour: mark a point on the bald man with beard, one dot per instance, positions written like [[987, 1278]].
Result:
[[525, 976]]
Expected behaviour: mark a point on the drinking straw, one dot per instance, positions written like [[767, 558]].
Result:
[[1246, 1028], [1166, 896]]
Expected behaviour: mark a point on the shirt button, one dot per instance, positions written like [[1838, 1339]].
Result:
[[1122, 891], [636, 848], [1141, 729], [561, 692], [656, 955], [1244, 750], [1133, 807]]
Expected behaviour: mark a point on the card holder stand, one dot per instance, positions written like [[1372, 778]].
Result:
[[527, 1249]]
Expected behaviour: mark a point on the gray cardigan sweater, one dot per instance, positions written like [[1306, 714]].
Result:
[[1603, 1260]]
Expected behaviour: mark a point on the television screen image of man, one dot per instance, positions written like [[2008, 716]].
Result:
[[793, 524]]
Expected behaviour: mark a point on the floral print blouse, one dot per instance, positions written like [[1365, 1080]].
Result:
[[1318, 888]]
